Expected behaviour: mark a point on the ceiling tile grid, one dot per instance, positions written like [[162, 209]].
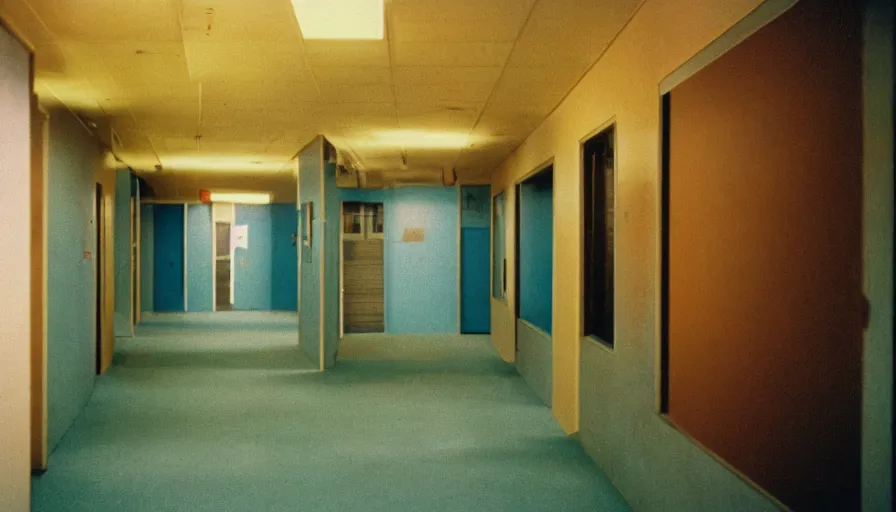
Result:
[[231, 86]]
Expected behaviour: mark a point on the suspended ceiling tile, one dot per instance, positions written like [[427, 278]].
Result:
[[424, 75], [494, 123], [451, 54], [239, 21], [428, 119], [19, 15], [538, 76], [349, 75], [104, 21], [245, 61], [551, 53], [472, 92], [354, 93], [138, 65], [596, 13], [347, 53], [456, 30], [461, 9], [546, 94]]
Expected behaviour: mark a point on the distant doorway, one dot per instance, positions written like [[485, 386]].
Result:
[[223, 270], [475, 240], [363, 297]]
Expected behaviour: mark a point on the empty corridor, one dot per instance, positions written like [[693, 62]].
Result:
[[208, 416]]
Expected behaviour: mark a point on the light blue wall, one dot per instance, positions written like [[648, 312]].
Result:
[[122, 255], [499, 241], [147, 266], [252, 266], [71, 279], [536, 254], [309, 190], [420, 279], [200, 272], [284, 263]]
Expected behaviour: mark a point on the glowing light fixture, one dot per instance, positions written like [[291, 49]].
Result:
[[416, 139], [340, 19], [241, 197]]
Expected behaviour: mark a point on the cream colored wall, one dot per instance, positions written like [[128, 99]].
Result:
[[503, 319], [105, 175], [622, 87], [15, 277]]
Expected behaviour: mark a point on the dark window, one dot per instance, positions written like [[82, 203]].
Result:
[[599, 190], [351, 218]]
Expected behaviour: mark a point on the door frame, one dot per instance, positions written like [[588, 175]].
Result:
[[40, 127]]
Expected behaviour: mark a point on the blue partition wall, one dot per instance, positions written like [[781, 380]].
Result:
[[536, 250], [309, 185], [168, 258], [421, 277], [200, 272], [71, 278], [147, 252], [475, 317]]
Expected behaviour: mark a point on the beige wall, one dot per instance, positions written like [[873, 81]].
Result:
[[15, 276], [654, 465], [105, 176], [622, 87]]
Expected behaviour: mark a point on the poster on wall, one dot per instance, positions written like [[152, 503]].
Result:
[[239, 237]]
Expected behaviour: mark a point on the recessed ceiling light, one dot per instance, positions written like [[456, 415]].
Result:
[[241, 197], [340, 19]]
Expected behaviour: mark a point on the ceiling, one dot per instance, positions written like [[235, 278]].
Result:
[[231, 86]]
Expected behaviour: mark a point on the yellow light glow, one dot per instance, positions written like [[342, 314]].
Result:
[[415, 139], [241, 197], [223, 163], [340, 19]]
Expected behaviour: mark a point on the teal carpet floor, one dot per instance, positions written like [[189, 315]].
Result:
[[223, 414]]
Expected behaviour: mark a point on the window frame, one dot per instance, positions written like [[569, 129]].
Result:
[[609, 128]]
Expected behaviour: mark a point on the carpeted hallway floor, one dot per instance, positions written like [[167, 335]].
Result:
[[197, 414]]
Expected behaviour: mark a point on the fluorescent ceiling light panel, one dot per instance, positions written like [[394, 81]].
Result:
[[340, 19], [241, 197]]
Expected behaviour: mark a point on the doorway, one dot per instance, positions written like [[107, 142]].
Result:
[[98, 251], [475, 308], [363, 297], [223, 215]]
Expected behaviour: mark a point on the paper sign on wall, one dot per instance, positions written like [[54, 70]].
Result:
[[239, 237]]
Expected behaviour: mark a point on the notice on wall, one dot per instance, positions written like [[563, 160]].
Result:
[[239, 237], [411, 235]]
